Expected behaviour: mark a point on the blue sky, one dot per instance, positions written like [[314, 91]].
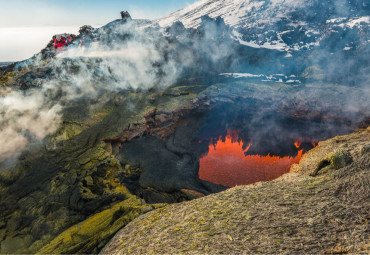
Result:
[[15, 13], [26, 26]]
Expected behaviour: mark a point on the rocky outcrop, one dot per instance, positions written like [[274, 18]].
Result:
[[125, 15], [335, 153], [298, 213]]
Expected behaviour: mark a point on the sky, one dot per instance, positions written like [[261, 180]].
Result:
[[26, 26]]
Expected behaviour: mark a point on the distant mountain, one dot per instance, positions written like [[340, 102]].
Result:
[[5, 63], [284, 25]]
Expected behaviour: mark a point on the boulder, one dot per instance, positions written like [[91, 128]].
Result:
[[85, 30], [125, 15]]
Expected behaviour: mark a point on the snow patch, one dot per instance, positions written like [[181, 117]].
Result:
[[279, 78], [349, 22], [242, 75], [274, 45]]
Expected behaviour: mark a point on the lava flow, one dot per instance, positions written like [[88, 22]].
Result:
[[227, 164]]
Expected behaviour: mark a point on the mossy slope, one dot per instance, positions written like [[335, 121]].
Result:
[[92, 234], [73, 177]]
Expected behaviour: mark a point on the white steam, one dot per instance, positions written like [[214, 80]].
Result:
[[25, 119], [131, 63], [109, 63]]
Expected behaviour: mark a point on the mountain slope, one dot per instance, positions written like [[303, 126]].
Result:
[[279, 24], [235, 13], [296, 214]]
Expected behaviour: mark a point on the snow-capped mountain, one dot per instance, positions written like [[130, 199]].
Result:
[[288, 25]]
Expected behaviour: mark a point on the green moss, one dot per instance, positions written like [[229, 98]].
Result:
[[96, 230], [340, 158], [99, 115], [93, 156], [365, 149], [6, 78], [69, 131], [336, 160], [10, 244], [130, 170]]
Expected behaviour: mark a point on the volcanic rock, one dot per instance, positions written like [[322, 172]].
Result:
[[125, 15], [85, 30], [77, 175]]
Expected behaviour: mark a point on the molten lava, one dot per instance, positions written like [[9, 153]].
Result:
[[297, 144], [227, 164]]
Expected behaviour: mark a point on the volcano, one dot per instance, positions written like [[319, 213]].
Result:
[[140, 117]]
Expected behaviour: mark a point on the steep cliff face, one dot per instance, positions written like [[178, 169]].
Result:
[[321, 207]]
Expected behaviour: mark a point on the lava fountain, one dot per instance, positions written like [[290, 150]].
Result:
[[227, 163]]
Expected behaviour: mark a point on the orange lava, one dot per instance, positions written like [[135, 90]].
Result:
[[227, 164], [297, 144]]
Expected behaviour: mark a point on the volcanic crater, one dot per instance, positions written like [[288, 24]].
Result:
[[218, 141]]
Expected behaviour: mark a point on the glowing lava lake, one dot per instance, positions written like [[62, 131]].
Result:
[[229, 163]]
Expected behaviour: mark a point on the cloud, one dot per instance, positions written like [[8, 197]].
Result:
[[21, 43], [107, 63]]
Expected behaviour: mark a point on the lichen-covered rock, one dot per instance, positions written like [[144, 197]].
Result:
[[336, 160], [6, 78], [16, 243]]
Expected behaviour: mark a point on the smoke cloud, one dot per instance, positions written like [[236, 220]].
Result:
[[107, 62], [25, 119], [119, 56]]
